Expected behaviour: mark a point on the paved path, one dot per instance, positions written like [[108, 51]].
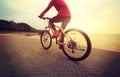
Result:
[[21, 56]]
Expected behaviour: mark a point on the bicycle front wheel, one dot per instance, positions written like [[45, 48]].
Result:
[[45, 39], [77, 45]]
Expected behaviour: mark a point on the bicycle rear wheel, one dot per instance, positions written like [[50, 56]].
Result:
[[45, 39], [77, 45]]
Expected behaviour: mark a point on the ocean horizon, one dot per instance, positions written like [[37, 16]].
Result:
[[106, 41]]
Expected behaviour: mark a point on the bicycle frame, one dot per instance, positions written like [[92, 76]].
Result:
[[74, 50], [48, 28]]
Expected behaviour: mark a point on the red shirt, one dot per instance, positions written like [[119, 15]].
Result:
[[60, 6]]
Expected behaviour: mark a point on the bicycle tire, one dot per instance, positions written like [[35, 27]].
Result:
[[44, 37], [88, 43]]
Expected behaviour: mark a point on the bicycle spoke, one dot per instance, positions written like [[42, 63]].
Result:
[[77, 47], [46, 40]]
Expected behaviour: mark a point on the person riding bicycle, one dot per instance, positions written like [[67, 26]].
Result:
[[63, 15]]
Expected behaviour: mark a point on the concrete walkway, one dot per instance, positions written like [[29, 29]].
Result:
[[21, 56]]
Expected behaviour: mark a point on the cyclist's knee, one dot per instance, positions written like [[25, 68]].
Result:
[[64, 26]]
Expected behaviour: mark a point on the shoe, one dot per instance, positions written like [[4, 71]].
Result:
[[55, 33]]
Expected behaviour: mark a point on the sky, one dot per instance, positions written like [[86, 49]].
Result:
[[92, 16]]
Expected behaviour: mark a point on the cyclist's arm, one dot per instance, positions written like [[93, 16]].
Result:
[[48, 7]]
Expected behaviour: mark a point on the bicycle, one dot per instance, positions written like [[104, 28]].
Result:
[[74, 43]]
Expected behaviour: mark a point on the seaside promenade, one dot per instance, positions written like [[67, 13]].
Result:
[[22, 56]]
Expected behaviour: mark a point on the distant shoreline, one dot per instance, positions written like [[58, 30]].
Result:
[[21, 33]]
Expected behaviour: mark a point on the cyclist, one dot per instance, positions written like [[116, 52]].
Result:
[[63, 15]]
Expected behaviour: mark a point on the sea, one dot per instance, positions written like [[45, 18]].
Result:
[[106, 41]]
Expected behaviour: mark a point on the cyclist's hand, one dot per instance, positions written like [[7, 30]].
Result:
[[40, 16]]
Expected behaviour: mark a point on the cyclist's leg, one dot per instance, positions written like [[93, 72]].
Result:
[[53, 20], [65, 20], [51, 23]]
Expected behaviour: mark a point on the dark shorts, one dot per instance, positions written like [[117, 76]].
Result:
[[63, 19]]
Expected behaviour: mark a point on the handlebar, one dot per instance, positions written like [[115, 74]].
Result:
[[44, 18]]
